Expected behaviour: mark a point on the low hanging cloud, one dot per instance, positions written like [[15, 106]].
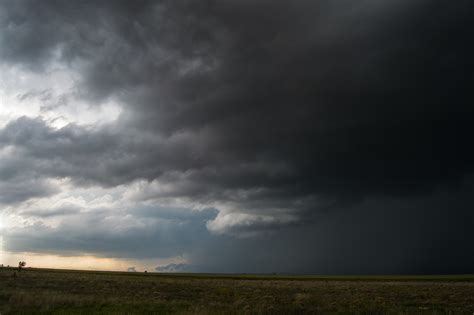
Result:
[[249, 120], [173, 268]]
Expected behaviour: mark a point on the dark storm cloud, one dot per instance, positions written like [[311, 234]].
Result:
[[397, 235], [280, 111], [353, 99]]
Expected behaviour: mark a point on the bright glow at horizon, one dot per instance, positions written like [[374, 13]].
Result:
[[85, 262]]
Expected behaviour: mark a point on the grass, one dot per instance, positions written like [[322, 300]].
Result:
[[50, 291]]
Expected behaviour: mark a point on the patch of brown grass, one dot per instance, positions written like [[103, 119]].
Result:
[[66, 292]]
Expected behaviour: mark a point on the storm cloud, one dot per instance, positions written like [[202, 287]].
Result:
[[312, 136]]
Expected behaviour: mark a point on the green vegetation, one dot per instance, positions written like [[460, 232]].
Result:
[[51, 291]]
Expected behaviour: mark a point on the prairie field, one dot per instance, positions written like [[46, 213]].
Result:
[[49, 291]]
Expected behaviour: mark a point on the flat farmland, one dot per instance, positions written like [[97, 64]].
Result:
[[49, 291]]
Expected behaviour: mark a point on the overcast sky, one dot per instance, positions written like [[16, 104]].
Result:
[[324, 136]]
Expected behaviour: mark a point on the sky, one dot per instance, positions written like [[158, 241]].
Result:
[[323, 137]]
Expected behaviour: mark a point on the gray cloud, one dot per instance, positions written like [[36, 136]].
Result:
[[63, 210], [18, 190], [113, 234]]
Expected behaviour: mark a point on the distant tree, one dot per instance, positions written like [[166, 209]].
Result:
[[21, 264]]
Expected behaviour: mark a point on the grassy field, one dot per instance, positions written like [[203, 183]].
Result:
[[84, 292]]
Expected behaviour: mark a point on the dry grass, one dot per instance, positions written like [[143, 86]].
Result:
[[75, 292]]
